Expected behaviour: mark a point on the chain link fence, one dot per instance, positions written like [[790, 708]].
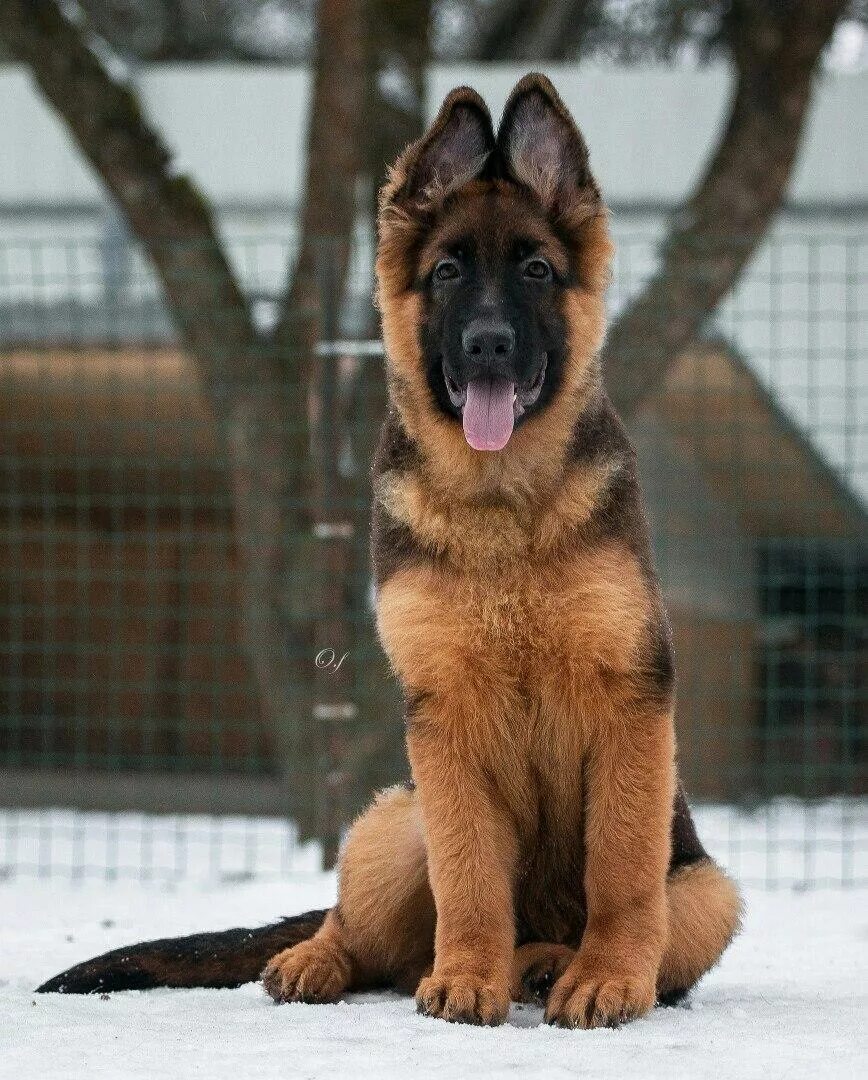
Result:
[[190, 683]]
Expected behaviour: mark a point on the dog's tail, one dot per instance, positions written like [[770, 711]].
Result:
[[224, 959]]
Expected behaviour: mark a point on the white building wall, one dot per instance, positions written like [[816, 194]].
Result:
[[240, 130]]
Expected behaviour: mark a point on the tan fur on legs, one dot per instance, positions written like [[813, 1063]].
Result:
[[630, 784], [471, 857], [704, 916], [384, 929]]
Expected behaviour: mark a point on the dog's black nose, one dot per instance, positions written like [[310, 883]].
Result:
[[488, 341]]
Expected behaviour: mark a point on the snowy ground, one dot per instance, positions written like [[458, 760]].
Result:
[[790, 999]]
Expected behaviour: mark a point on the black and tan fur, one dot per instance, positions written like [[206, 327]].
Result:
[[546, 848]]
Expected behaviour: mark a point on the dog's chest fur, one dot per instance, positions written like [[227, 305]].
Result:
[[543, 637]]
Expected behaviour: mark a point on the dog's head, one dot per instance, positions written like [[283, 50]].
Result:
[[492, 263]]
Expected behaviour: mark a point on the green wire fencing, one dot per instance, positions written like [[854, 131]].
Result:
[[190, 683]]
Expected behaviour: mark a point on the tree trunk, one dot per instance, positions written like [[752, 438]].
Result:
[[398, 54], [309, 314], [776, 48], [357, 706], [545, 30]]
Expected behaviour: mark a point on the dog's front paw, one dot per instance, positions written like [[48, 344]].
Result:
[[590, 999], [312, 972], [463, 999]]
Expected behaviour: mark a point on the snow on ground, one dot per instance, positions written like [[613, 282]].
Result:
[[789, 1000]]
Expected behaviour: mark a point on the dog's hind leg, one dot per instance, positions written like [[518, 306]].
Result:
[[536, 967], [704, 916], [381, 931], [316, 971], [704, 912]]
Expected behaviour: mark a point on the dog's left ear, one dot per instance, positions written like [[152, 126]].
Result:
[[540, 147]]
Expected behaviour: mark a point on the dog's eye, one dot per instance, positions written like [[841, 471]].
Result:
[[538, 269], [447, 270]]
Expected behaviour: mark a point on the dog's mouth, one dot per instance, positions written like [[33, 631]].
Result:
[[489, 406]]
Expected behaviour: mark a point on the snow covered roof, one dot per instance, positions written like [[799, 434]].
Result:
[[749, 451]]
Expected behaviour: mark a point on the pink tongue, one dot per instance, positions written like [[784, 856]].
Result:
[[488, 413]]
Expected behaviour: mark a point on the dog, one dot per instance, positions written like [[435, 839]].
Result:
[[545, 849]]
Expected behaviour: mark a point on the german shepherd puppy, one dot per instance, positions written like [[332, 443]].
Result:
[[545, 848]]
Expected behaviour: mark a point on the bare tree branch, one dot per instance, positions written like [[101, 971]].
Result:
[[776, 48], [201, 30], [164, 210]]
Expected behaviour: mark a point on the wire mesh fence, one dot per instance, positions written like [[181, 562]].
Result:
[[186, 623], [786, 843]]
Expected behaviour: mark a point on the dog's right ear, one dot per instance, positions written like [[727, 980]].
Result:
[[452, 151]]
